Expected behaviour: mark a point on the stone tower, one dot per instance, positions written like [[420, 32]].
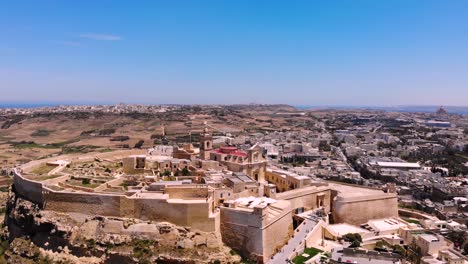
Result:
[[206, 144]]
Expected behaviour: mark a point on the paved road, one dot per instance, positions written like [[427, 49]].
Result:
[[294, 244]]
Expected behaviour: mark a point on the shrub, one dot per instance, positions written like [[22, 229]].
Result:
[[354, 238], [86, 181]]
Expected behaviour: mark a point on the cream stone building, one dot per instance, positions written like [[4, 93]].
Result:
[[251, 162]]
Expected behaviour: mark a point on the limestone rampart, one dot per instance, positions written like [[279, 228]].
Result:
[[357, 211], [307, 198], [86, 203], [187, 192], [195, 213], [29, 189]]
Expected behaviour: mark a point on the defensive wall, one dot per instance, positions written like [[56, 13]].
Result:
[[361, 209], [308, 198], [195, 212], [257, 232]]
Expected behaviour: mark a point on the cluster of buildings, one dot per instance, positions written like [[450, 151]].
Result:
[[273, 195], [255, 206], [118, 108]]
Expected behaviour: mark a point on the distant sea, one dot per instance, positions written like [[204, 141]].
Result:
[[34, 105], [24, 105], [409, 108]]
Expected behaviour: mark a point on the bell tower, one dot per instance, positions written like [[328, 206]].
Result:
[[206, 144]]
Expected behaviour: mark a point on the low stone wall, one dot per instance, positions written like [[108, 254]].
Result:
[[187, 192], [413, 214]]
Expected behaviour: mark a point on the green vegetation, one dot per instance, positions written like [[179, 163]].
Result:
[[86, 181], [323, 146], [40, 133], [4, 246], [139, 144], [380, 244], [104, 150], [106, 131], [125, 185], [91, 243], [185, 172], [354, 238], [413, 221], [32, 144], [414, 254], [142, 250], [4, 138], [92, 185], [399, 249], [309, 251], [451, 159], [78, 149]]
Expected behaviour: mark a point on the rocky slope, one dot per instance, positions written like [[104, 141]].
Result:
[[40, 236]]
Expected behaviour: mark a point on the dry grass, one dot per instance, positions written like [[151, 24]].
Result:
[[43, 169]]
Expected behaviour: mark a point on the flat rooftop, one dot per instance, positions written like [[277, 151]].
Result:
[[353, 191], [343, 229], [386, 224], [398, 164]]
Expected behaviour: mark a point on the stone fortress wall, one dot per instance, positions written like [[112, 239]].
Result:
[[195, 213], [31, 190], [357, 205]]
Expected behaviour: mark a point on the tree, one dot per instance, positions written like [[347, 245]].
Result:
[[167, 173], [139, 144], [414, 254], [185, 171], [323, 146], [86, 181], [354, 238]]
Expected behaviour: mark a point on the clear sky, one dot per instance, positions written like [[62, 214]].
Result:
[[355, 52]]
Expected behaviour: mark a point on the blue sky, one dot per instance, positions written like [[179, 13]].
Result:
[[362, 52]]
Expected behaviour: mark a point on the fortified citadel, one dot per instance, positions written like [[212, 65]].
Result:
[[254, 206]]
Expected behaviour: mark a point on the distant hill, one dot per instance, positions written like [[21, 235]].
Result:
[[403, 108]]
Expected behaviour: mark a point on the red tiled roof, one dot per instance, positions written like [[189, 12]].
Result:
[[231, 151]]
